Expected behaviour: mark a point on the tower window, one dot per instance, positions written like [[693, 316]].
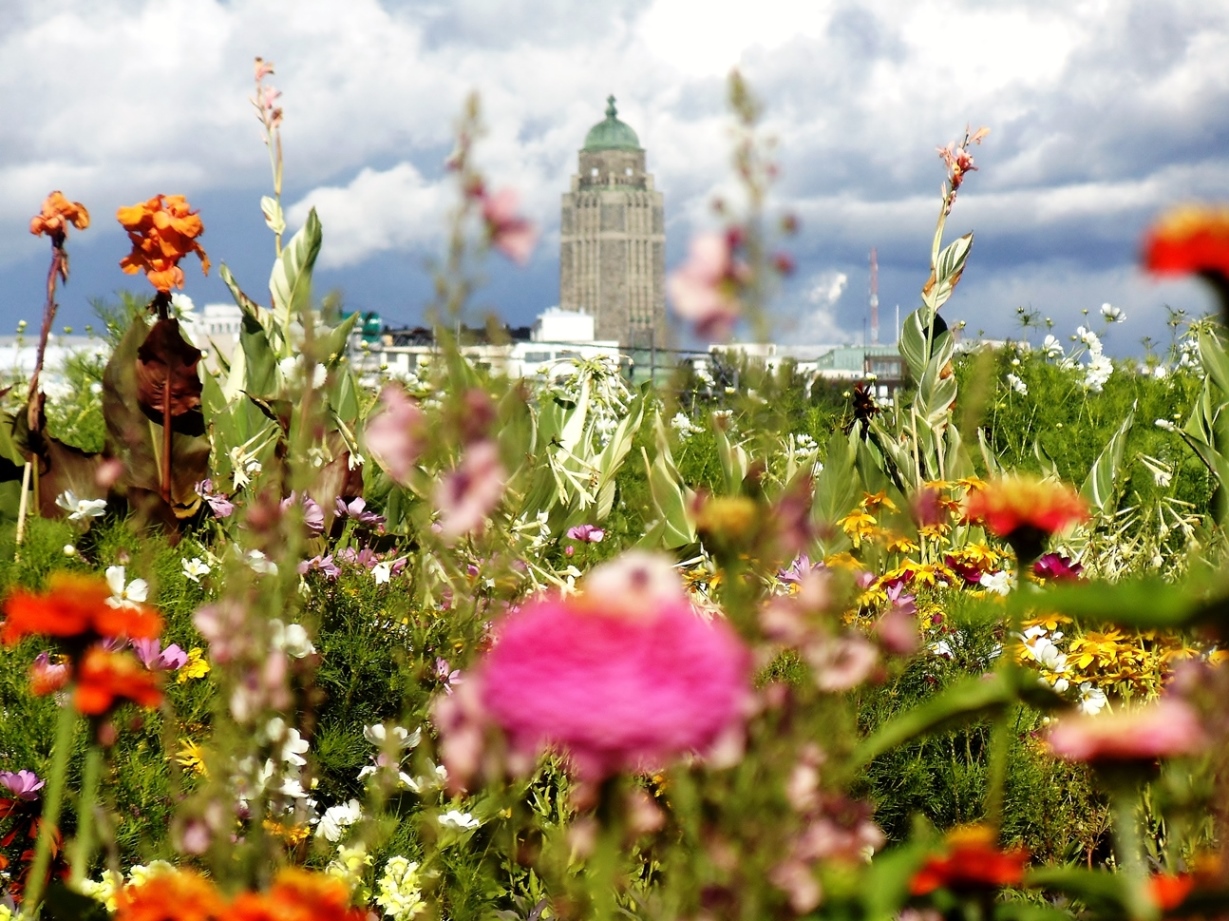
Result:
[[593, 172], [628, 171]]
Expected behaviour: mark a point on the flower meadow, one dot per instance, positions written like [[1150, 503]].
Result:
[[281, 640]]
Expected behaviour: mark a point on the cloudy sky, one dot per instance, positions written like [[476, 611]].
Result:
[[1102, 113]]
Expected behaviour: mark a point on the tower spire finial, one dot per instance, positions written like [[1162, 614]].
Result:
[[611, 111]]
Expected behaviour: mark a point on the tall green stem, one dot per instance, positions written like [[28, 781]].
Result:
[[83, 845], [51, 809]]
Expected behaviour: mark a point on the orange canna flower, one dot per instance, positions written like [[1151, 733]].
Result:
[[971, 860], [1189, 239], [58, 212], [180, 896], [107, 679], [163, 230], [74, 606]]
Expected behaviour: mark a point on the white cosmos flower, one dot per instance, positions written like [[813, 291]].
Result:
[[195, 568], [382, 572], [291, 639], [337, 819], [455, 818], [80, 509], [125, 596]]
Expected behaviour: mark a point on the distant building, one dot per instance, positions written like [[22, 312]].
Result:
[[612, 259]]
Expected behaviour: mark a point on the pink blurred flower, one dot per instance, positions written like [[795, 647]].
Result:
[[466, 496], [587, 533], [509, 233], [394, 433], [23, 784], [1165, 728], [621, 681], [313, 514], [704, 290], [47, 677]]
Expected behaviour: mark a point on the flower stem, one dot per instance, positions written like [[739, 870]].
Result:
[[83, 845], [50, 818]]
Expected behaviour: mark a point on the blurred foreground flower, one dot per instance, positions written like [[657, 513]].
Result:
[[163, 230], [108, 679], [705, 289], [971, 860], [183, 895], [624, 676], [508, 232], [1165, 728], [75, 607], [1025, 512], [1188, 240], [394, 434], [466, 496]]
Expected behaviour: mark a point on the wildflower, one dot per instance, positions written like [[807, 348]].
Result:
[[155, 658], [1024, 511], [74, 606], [467, 495], [378, 734], [191, 757], [1165, 728], [195, 568], [107, 679], [129, 595], [57, 213], [705, 289], [399, 892], [292, 746], [382, 572], [219, 504], [356, 509], [80, 509], [337, 819], [260, 563], [1189, 239], [586, 534], [1057, 567], [455, 818], [394, 434], [507, 231], [325, 564], [47, 677], [350, 866], [195, 667], [971, 861], [683, 425], [163, 231], [182, 895], [22, 784], [1092, 699], [1112, 313], [999, 583], [621, 675], [291, 639], [1017, 384], [1051, 347]]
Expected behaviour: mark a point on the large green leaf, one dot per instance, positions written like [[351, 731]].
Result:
[[913, 346], [290, 284], [947, 271], [1101, 487], [1144, 603]]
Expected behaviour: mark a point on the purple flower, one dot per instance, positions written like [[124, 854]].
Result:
[[1057, 567], [218, 503], [313, 514], [469, 493], [324, 564], [586, 533], [155, 658], [24, 784], [799, 569], [447, 674], [365, 557], [356, 509]]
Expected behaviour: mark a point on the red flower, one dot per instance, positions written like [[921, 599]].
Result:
[[179, 896], [971, 860], [108, 679], [74, 606], [1189, 239], [1169, 890], [1014, 503]]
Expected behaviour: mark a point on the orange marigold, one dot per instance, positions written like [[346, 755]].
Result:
[[971, 860], [74, 606], [298, 895], [108, 679], [1189, 239], [163, 230], [58, 212], [179, 896]]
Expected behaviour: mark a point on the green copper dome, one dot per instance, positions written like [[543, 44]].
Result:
[[611, 134]]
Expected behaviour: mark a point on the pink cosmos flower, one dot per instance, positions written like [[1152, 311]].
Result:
[[47, 677], [586, 533], [1166, 728], [394, 433], [155, 658], [509, 233], [620, 680], [704, 290], [466, 496], [23, 784]]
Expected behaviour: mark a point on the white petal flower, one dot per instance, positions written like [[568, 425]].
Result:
[[195, 568], [337, 819], [80, 509], [455, 818], [382, 572], [125, 596], [291, 639]]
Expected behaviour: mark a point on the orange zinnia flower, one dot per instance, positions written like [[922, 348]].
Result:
[[58, 212], [297, 895], [163, 230], [1024, 511], [1189, 239], [107, 679], [972, 861], [179, 896], [74, 606]]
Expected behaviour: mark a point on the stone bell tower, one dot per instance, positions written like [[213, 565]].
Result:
[[612, 260]]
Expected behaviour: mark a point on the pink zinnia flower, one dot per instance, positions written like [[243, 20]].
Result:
[[621, 680], [394, 433], [704, 290], [1166, 728]]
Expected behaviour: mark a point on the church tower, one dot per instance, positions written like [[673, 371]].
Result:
[[612, 260]]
